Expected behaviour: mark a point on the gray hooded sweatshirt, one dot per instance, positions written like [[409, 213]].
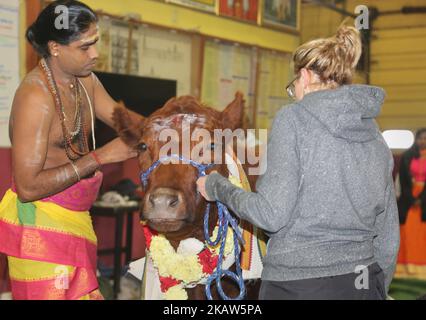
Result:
[[327, 198]]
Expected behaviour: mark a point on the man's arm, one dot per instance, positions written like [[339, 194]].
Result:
[[33, 114], [105, 105]]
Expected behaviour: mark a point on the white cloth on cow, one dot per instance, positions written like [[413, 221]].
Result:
[[256, 265]]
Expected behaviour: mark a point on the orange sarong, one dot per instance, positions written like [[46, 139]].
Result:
[[412, 252]]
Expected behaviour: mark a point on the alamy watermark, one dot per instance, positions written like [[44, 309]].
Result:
[[362, 281], [62, 21], [62, 278], [362, 21]]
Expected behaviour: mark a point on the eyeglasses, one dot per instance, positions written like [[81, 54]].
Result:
[[291, 89]]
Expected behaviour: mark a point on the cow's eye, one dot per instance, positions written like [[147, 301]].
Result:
[[142, 147]]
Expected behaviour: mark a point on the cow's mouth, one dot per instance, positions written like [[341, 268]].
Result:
[[166, 225]]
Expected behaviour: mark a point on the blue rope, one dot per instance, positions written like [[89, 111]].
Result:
[[225, 219]]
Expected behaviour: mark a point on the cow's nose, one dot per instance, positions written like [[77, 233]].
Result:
[[164, 204], [163, 200]]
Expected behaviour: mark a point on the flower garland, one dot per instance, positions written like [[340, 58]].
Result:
[[185, 267]]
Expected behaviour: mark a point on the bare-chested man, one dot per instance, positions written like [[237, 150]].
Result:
[[45, 227]]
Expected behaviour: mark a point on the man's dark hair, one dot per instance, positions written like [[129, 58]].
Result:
[[44, 30]]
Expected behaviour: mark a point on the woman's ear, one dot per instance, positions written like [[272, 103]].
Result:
[[306, 77]]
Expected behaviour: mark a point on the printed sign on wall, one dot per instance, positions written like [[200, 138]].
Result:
[[9, 63]]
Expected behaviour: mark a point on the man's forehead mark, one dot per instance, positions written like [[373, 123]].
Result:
[[90, 39], [93, 38]]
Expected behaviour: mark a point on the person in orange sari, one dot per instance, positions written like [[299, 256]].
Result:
[[45, 227], [412, 210]]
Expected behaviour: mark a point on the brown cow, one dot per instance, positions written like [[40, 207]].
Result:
[[171, 204]]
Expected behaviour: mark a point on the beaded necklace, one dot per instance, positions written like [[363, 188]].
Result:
[[79, 127]]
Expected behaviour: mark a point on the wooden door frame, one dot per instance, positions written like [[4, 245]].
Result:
[[33, 9]]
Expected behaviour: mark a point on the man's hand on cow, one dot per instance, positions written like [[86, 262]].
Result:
[[115, 151], [201, 186]]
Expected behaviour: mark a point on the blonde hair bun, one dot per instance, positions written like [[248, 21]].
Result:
[[334, 59], [348, 38]]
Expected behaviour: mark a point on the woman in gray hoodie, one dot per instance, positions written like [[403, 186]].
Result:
[[327, 197]]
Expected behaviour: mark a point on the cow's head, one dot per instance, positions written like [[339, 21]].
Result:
[[171, 204]]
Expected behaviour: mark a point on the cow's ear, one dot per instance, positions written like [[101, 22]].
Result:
[[127, 128], [232, 116]]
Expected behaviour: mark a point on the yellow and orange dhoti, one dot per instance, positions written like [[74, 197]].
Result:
[[51, 249]]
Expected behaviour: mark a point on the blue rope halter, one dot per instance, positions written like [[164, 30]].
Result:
[[225, 219]]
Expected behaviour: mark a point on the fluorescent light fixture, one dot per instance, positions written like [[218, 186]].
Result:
[[399, 139]]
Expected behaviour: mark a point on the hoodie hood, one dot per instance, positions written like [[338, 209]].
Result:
[[348, 112]]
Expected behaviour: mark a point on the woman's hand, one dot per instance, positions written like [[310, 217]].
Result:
[[201, 186]]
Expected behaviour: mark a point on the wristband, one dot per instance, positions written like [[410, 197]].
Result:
[[95, 156], [75, 170]]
